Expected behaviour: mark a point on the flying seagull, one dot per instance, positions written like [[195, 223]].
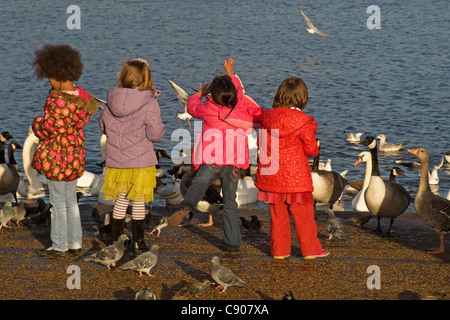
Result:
[[312, 29]]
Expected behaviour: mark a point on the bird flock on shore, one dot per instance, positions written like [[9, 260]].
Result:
[[378, 197]]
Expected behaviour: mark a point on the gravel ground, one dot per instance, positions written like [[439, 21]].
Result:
[[406, 271]]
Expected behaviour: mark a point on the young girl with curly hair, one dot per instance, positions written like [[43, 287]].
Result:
[[60, 154], [132, 124]]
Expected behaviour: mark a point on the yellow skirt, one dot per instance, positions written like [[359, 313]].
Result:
[[137, 183]]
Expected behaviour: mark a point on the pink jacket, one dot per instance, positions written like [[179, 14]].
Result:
[[224, 141]]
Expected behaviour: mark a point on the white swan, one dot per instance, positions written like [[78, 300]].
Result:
[[358, 202], [33, 188]]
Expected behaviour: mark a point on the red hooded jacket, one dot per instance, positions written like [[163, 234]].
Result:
[[285, 168]]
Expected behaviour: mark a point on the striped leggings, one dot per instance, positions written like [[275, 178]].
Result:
[[121, 205]]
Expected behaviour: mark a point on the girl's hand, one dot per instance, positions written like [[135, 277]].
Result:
[[202, 89], [228, 66]]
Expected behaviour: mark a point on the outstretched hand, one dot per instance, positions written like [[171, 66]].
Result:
[[202, 89], [228, 66]]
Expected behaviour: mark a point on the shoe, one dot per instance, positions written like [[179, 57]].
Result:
[[281, 257], [117, 226], [228, 248], [175, 219], [139, 245], [321, 254], [51, 253], [74, 252]]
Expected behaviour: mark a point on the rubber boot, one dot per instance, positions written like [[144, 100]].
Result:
[[139, 245], [117, 226]]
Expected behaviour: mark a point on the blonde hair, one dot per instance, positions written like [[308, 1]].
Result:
[[135, 74], [292, 93]]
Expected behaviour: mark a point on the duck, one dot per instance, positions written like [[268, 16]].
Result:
[[384, 199], [389, 147], [358, 202], [211, 201], [433, 209], [183, 97], [328, 185], [353, 137]]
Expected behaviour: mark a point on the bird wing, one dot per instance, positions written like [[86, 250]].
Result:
[[181, 94], [322, 33], [307, 20]]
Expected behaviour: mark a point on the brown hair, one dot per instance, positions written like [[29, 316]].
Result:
[[60, 62], [292, 92], [135, 74]]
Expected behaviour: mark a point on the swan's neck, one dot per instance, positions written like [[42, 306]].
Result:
[[375, 169], [368, 174]]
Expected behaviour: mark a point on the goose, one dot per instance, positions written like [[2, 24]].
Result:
[[211, 201], [183, 97], [358, 202], [4, 137], [328, 185], [388, 147], [353, 137], [9, 175], [384, 199], [433, 176], [431, 208], [395, 171], [11, 158]]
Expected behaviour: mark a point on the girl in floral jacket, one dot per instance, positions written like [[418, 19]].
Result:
[[60, 154]]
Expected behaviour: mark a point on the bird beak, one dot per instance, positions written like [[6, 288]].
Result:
[[413, 151], [358, 161]]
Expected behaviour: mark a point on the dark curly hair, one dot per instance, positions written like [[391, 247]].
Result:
[[60, 62]]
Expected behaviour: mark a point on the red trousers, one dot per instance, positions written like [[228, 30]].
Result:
[[305, 227]]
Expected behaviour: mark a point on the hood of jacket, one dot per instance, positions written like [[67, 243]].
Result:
[[287, 121], [122, 102]]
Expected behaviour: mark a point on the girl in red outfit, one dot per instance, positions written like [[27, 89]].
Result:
[[283, 176]]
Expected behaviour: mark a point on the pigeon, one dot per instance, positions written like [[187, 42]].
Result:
[[6, 214], [144, 262], [18, 212], [111, 254], [145, 294], [224, 277], [361, 220], [334, 226], [312, 29], [288, 296], [253, 225], [191, 290], [156, 223]]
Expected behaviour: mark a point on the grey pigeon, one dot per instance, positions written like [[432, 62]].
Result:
[[5, 214], [144, 262], [111, 254], [18, 212], [224, 277], [361, 220], [191, 290], [334, 226], [156, 223], [145, 294]]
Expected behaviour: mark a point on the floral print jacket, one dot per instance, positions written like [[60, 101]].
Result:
[[60, 154]]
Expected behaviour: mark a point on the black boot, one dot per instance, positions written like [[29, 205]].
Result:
[[139, 245], [117, 226]]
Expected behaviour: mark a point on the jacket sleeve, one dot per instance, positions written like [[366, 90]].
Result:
[[308, 136], [154, 127], [195, 107]]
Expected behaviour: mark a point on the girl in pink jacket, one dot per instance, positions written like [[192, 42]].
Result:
[[221, 150]]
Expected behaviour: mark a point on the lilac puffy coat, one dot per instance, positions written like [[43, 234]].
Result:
[[132, 122]]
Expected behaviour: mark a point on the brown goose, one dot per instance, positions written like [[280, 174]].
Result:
[[384, 199], [432, 209]]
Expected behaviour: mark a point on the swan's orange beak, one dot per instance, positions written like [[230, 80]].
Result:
[[358, 161], [413, 151]]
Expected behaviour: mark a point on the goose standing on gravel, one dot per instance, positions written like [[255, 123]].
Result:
[[431, 208], [328, 185], [389, 147], [384, 199], [358, 202]]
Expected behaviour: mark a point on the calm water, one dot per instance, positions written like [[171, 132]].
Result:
[[392, 80]]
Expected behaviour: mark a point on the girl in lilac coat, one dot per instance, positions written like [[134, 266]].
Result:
[[132, 123]]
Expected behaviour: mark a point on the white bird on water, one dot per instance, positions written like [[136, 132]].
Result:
[[312, 29]]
